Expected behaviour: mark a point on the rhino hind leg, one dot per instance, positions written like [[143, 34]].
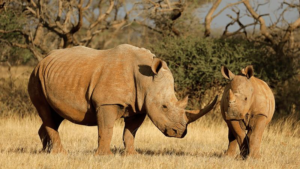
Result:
[[45, 139], [48, 131], [44, 136], [132, 124]]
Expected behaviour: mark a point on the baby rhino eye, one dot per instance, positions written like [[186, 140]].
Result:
[[245, 98]]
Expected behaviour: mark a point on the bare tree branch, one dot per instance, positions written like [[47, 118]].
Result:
[[227, 6], [263, 29], [149, 27], [289, 33], [209, 17], [103, 16]]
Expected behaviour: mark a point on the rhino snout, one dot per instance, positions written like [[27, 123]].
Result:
[[174, 132], [234, 116]]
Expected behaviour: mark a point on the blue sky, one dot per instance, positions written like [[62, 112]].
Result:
[[273, 8]]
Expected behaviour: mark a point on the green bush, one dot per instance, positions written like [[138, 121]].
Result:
[[196, 64], [14, 19], [14, 98]]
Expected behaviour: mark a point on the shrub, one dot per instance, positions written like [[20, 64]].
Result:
[[196, 64]]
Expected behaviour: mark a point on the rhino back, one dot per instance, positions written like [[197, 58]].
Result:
[[72, 79]]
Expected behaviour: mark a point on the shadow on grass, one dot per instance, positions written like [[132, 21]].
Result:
[[172, 152], [121, 151], [22, 150]]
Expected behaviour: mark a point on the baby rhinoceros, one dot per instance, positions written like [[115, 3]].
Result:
[[247, 104]]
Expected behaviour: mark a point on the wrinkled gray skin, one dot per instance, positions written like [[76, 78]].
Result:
[[96, 87], [247, 104]]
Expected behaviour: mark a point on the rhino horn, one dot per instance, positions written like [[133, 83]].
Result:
[[231, 96], [193, 115], [183, 103]]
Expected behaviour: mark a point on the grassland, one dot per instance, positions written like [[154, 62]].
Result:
[[203, 147]]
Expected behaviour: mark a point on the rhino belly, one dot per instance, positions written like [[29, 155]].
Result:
[[70, 99], [76, 111]]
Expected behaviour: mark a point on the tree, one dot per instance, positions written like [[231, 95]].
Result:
[[53, 24], [280, 44], [278, 61]]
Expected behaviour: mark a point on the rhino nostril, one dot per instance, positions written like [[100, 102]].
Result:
[[184, 133], [175, 131], [231, 102]]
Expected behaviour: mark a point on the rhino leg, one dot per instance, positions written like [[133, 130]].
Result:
[[49, 130], [45, 139], [106, 117], [51, 121], [232, 143], [255, 135], [239, 134], [132, 124]]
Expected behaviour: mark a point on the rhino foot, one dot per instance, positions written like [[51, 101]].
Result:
[[102, 153], [230, 153], [131, 152], [59, 151]]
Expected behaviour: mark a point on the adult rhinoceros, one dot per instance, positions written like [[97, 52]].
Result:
[[96, 87], [247, 104]]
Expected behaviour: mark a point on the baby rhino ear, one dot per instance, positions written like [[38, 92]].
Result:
[[249, 71], [227, 73], [157, 64]]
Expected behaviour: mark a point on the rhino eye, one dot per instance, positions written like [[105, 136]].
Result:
[[164, 107], [245, 98]]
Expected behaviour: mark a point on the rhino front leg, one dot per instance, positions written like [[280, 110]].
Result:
[[106, 116], [232, 143], [132, 124], [255, 135], [239, 134]]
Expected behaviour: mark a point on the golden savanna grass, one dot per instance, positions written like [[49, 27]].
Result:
[[203, 147]]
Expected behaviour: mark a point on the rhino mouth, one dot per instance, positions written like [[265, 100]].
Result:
[[229, 118], [171, 132], [232, 115]]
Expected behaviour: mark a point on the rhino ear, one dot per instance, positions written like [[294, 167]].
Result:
[[249, 71], [227, 73], [157, 64]]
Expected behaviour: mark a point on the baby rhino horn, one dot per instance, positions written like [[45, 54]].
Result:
[[231, 95]]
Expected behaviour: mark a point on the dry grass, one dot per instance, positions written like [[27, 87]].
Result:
[[203, 147]]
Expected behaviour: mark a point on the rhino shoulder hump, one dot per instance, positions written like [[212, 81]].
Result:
[[137, 51]]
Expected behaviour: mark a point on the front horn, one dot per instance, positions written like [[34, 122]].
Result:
[[193, 115], [183, 103]]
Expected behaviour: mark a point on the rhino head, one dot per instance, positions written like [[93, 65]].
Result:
[[165, 111], [239, 97]]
